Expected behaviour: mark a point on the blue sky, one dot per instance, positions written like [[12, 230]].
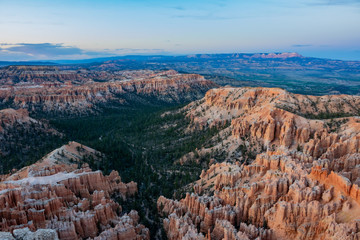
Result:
[[63, 29]]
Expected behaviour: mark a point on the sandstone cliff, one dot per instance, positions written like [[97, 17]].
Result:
[[55, 193]]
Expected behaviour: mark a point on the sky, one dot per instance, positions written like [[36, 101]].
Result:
[[79, 29]]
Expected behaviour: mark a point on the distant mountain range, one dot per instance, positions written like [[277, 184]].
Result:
[[291, 71], [283, 56], [9, 63]]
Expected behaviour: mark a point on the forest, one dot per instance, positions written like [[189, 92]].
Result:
[[142, 143]]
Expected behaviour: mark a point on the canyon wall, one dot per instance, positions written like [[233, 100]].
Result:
[[50, 90]]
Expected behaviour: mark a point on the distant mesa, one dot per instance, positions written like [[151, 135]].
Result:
[[277, 55], [248, 55]]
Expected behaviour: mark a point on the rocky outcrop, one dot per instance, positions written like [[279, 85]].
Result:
[[303, 183], [55, 193], [17, 127], [10, 116]]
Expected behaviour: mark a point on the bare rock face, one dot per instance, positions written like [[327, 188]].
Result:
[[52, 90], [75, 202], [303, 183]]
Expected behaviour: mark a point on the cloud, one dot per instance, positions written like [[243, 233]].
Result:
[[193, 5], [204, 17], [122, 51], [51, 51], [341, 2], [200, 10], [42, 49], [302, 45], [20, 22], [179, 8], [334, 2]]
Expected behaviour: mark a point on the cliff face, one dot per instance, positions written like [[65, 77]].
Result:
[[303, 184], [55, 193], [48, 89], [53, 75]]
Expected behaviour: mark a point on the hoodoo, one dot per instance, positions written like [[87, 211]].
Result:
[[60, 193], [303, 184]]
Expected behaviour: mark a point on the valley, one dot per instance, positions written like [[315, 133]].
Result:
[[180, 120], [135, 130], [174, 155]]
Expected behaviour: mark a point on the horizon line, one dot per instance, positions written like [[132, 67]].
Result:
[[57, 61]]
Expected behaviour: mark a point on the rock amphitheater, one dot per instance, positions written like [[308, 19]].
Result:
[[303, 184]]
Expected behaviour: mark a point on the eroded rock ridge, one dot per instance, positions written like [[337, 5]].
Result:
[[303, 183]]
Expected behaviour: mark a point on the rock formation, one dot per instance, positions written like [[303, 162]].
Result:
[[263, 118], [51, 90], [303, 183], [55, 193]]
